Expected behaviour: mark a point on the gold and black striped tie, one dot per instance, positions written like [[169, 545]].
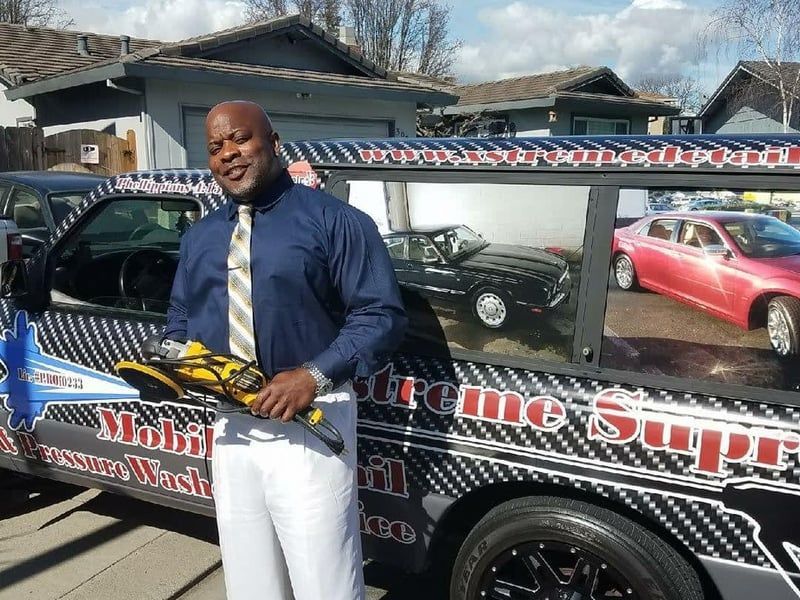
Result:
[[240, 298]]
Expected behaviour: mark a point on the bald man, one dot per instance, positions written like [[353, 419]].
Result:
[[301, 282]]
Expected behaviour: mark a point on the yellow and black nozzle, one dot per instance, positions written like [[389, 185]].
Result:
[[171, 369]]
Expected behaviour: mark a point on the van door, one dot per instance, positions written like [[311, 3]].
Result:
[[71, 415]]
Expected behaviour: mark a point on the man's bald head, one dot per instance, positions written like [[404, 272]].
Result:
[[242, 148], [249, 110]]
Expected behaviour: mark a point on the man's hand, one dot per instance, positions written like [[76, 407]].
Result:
[[285, 395]]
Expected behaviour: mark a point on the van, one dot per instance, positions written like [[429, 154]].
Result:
[[582, 407]]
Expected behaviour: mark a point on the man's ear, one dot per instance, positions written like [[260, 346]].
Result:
[[276, 143]]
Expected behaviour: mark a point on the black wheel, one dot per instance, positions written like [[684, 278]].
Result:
[[492, 307], [625, 273], [783, 325], [557, 549]]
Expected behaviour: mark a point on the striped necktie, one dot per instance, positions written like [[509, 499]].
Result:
[[240, 303]]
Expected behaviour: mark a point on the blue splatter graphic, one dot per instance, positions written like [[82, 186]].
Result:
[[32, 380]]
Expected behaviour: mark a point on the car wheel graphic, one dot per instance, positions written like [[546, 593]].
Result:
[[625, 273], [491, 307], [783, 325]]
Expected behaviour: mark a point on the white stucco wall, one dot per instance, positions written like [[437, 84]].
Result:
[[538, 216], [165, 100], [11, 110]]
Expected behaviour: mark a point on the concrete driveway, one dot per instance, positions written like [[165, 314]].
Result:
[[61, 542]]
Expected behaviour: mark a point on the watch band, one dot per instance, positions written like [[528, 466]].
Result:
[[324, 385]]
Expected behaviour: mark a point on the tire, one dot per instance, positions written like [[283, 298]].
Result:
[[783, 326], [623, 265], [572, 547], [491, 307]]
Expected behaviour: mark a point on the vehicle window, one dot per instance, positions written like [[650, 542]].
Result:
[[62, 204], [125, 255], [730, 314], [26, 209], [662, 229], [699, 236], [764, 237], [491, 268], [395, 245], [5, 188], [454, 241], [420, 249]]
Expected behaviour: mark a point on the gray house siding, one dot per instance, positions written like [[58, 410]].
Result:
[[167, 120], [87, 103], [281, 52], [745, 120], [531, 121], [538, 119], [746, 108]]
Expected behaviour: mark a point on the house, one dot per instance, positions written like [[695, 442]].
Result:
[[312, 84], [579, 101], [748, 101], [660, 124]]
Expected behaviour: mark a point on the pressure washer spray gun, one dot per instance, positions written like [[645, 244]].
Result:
[[173, 371]]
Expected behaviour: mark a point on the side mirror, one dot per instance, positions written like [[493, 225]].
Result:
[[13, 279], [716, 250]]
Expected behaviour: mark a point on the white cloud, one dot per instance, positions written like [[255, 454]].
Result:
[[166, 20], [522, 38]]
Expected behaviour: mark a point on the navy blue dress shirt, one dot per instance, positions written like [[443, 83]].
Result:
[[323, 287]]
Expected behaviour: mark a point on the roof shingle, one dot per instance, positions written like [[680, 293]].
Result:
[[522, 88], [31, 53]]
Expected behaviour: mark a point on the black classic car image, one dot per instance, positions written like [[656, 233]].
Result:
[[455, 264]]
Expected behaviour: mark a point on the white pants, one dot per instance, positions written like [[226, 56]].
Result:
[[286, 507]]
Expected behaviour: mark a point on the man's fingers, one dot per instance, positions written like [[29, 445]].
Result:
[[264, 400], [278, 409], [289, 413]]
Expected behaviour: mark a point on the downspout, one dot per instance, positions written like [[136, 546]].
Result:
[[145, 119]]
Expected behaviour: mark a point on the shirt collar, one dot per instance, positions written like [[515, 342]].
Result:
[[269, 197]]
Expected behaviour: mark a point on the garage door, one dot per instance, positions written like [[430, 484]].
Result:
[[290, 128]]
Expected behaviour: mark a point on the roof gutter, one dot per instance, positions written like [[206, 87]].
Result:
[[69, 80], [136, 69], [461, 109], [280, 84]]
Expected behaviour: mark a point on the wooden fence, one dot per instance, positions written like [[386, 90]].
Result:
[[21, 149], [27, 149], [116, 155]]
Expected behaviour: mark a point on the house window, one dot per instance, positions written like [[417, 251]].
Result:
[[595, 126]]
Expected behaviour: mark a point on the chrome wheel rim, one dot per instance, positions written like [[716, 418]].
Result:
[[491, 309], [553, 571], [778, 328], [623, 271]]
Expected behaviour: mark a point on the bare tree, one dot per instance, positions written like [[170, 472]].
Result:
[[404, 35], [684, 89], [36, 13], [325, 13], [767, 31], [398, 35]]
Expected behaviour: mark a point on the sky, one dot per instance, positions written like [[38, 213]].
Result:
[[500, 38]]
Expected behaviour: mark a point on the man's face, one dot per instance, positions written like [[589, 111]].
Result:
[[242, 150]]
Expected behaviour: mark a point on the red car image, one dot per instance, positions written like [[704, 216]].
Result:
[[741, 267]]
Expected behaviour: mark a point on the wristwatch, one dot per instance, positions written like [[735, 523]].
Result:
[[324, 385]]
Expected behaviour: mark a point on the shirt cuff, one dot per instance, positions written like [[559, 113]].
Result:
[[333, 366]]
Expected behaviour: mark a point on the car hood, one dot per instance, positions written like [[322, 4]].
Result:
[[520, 260]]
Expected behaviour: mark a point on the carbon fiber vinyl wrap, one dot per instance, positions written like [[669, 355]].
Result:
[[453, 454]]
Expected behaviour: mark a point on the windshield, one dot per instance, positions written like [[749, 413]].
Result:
[[62, 204], [764, 237], [457, 240]]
